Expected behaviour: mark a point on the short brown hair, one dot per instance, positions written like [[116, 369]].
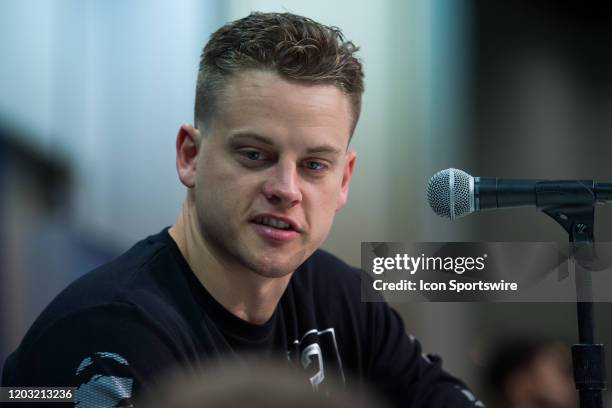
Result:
[[295, 47]]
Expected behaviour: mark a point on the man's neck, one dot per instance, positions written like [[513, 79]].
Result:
[[244, 293]]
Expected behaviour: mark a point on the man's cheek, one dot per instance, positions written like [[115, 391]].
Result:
[[323, 222]]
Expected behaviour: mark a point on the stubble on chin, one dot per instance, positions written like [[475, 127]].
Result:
[[270, 266]]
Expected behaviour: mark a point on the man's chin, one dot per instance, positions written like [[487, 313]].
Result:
[[278, 266]]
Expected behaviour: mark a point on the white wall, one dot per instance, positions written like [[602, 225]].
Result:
[[106, 85]]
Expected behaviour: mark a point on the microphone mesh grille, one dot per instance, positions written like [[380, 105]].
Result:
[[449, 193]]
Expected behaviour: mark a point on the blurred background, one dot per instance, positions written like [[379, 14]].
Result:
[[92, 94]]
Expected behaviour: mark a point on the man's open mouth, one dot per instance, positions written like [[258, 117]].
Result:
[[273, 222]]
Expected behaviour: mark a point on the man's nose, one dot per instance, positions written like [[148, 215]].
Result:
[[282, 187]]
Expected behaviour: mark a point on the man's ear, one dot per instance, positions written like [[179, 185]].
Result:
[[187, 145], [349, 167]]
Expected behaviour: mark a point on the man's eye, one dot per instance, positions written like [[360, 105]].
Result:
[[314, 165], [253, 155]]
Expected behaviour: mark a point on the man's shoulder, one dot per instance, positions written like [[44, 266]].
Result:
[[127, 306], [112, 281], [118, 336], [130, 282]]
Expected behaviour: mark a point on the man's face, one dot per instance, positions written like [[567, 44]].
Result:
[[272, 170]]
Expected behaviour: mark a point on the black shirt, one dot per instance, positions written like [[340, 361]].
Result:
[[114, 331]]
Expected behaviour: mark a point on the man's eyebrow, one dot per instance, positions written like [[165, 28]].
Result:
[[251, 135], [324, 149]]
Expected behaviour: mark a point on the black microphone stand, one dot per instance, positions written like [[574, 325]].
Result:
[[587, 357]]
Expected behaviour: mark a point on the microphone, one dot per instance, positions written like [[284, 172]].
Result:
[[453, 193]]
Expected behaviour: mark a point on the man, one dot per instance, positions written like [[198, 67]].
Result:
[[267, 167]]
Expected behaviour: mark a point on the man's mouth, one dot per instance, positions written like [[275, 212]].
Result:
[[275, 222], [276, 229]]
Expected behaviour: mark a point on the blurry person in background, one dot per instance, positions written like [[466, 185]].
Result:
[[252, 383], [266, 166], [531, 373]]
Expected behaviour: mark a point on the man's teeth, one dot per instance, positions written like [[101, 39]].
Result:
[[275, 223]]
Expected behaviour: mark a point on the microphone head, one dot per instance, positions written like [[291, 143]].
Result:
[[450, 193]]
